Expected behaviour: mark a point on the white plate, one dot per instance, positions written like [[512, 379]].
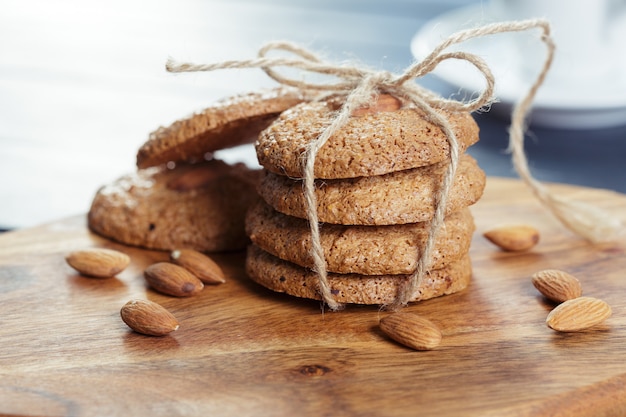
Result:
[[591, 103]]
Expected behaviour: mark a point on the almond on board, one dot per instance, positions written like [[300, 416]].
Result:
[[411, 330], [198, 264], [513, 238], [557, 285], [149, 318], [98, 262], [578, 314], [171, 279]]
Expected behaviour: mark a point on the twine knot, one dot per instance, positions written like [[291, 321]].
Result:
[[361, 85]]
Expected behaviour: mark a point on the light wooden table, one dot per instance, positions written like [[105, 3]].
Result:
[[242, 350]]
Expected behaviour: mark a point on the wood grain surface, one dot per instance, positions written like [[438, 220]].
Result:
[[243, 350]]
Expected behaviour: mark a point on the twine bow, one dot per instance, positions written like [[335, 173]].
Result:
[[360, 87]]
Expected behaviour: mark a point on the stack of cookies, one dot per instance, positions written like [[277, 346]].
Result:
[[181, 196], [376, 179]]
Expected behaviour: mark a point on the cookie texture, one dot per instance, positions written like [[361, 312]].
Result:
[[371, 144], [197, 206], [282, 276], [366, 250], [228, 123], [397, 198]]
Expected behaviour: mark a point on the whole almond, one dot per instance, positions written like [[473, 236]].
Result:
[[578, 314], [149, 318], [557, 285], [384, 103], [98, 262], [198, 264], [513, 238], [171, 279], [411, 330]]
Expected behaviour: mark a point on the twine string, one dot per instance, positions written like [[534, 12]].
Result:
[[585, 220], [361, 85]]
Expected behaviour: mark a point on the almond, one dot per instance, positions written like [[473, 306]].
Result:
[[411, 330], [578, 314], [556, 285], [198, 264], [384, 103], [98, 262], [513, 238], [171, 279], [149, 318]]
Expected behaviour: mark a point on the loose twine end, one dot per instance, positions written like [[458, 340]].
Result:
[[358, 85], [586, 220]]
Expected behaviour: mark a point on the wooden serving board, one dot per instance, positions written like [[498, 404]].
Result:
[[243, 350]]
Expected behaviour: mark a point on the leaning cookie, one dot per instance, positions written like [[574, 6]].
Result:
[[282, 276], [366, 250], [396, 198], [228, 123], [374, 141], [197, 206]]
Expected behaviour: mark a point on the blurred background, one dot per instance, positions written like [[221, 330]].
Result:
[[83, 83]]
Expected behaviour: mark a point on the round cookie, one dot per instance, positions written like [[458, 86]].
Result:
[[227, 123], [200, 206], [282, 276], [367, 250], [371, 143], [396, 198]]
